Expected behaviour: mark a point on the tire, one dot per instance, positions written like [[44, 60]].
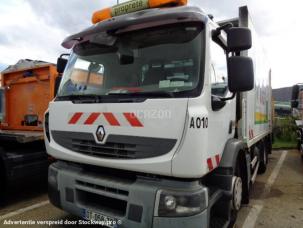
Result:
[[263, 159], [233, 211]]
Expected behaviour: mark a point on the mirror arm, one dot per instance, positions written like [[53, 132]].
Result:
[[66, 54], [228, 98], [216, 33]]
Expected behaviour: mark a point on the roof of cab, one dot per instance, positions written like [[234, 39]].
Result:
[[145, 17]]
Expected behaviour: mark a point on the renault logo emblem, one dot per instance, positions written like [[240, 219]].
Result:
[[100, 133]]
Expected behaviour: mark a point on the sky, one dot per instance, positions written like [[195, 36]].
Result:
[[35, 29], [2, 67]]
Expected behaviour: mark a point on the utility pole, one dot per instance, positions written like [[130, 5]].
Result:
[[117, 2]]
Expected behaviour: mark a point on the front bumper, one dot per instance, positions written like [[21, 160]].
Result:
[[129, 201]]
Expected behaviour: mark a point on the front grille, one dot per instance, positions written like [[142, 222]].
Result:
[[110, 150], [116, 146]]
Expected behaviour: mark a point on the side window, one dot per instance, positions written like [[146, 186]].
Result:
[[219, 78], [85, 76], [87, 73]]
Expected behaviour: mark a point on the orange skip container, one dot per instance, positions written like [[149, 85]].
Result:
[[26, 94]]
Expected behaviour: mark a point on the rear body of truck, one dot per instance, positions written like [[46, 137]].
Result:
[[26, 90], [179, 155]]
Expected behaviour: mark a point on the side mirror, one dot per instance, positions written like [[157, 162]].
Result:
[[238, 39], [240, 74], [94, 67], [294, 96], [294, 104], [61, 63], [57, 85]]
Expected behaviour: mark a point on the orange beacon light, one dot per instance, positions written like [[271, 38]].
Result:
[[133, 6]]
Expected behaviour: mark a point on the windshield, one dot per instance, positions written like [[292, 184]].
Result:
[[165, 60]]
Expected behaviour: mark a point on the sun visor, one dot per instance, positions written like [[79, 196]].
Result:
[[139, 20]]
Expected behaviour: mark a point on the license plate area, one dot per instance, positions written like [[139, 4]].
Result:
[[113, 206], [100, 219]]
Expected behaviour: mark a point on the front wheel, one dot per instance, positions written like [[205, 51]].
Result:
[[237, 194]]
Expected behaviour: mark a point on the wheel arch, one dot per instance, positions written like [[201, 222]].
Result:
[[235, 150], [231, 152]]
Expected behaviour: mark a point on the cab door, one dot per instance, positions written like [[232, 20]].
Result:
[[222, 114]]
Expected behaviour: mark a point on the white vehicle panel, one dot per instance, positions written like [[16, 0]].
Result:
[[170, 125], [257, 115]]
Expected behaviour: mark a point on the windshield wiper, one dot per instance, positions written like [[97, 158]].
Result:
[[145, 94], [89, 98]]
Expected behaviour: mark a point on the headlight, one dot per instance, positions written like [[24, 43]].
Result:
[[180, 204]]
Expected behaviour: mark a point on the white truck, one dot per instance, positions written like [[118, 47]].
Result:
[[297, 110], [162, 118]]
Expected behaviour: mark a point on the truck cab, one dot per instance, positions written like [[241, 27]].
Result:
[[145, 122]]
